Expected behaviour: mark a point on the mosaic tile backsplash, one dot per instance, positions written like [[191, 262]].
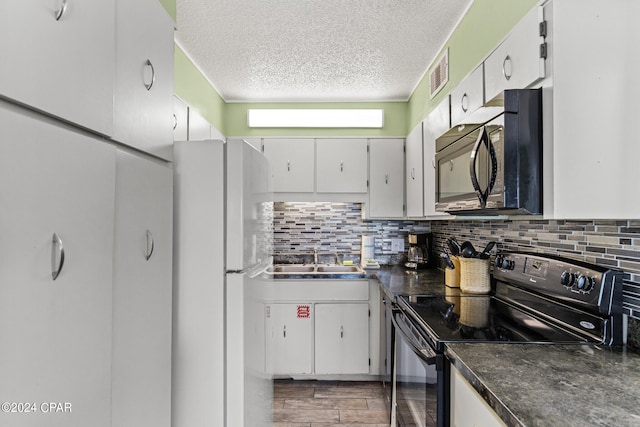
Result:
[[337, 227]]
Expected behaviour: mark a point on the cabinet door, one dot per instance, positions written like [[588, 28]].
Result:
[[467, 97], [289, 338], [386, 175], [64, 67], [341, 166], [342, 338], [435, 124], [143, 111], [142, 289], [180, 121], [56, 333], [292, 164], [468, 408], [414, 177], [516, 62]]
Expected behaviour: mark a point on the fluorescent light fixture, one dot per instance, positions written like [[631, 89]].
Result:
[[315, 118]]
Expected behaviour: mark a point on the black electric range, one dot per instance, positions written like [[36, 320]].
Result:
[[535, 299]]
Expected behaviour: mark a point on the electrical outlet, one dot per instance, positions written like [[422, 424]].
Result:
[[397, 245]]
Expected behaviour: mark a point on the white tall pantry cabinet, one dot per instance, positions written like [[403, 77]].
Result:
[[86, 222]]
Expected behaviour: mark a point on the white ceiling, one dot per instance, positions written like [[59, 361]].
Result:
[[315, 50]]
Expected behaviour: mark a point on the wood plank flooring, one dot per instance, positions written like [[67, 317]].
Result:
[[329, 403]]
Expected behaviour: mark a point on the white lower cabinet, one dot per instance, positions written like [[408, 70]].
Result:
[[342, 338], [322, 328], [142, 292], [468, 408], [289, 338], [85, 278], [56, 198]]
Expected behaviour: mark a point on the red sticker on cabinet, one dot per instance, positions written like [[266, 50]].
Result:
[[304, 311]]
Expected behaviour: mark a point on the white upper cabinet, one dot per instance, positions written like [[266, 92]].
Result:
[[341, 165], [435, 124], [57, 195], [414, 173], [518, 61], [590, 110], [58, 57], [468, 96], [386, 178], [143, 113], [180, 120], [292, 163]]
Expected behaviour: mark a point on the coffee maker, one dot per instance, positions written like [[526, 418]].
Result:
[[419, 256]]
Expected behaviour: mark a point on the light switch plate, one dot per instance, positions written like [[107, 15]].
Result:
[[397, 245]]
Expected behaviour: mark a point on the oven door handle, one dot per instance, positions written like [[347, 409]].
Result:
[[409, 332]]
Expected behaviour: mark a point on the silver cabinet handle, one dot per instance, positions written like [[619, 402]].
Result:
[[288, 166], [504, 67], [413, 173], [341, 166], [464, 100], [62, 10], [153, 74], [175, 122], [341, 332], [386, 178], [284, 331], [150, 246], [57, 256]]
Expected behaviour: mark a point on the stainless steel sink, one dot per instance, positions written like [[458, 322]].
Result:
[[302, 269], [293, 268], [339, 269]]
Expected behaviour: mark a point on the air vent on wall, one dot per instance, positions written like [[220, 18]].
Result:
[[439, 74]]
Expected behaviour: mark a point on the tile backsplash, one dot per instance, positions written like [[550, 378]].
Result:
[[332, 228], [337, 228]]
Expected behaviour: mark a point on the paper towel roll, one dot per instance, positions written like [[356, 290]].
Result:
[[368, 248]]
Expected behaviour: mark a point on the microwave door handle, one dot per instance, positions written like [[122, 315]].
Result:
[[494, 166], [482, 196]]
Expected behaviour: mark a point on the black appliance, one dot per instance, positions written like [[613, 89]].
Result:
[[419, 254], [493, 166], [536, 299]]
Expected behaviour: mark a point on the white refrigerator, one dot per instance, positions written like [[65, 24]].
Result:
[[223, 234]]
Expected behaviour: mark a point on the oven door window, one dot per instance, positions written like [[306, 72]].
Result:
[[415, 396], [416, 390]]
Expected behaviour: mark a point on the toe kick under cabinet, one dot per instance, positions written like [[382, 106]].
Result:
[[320, 328]]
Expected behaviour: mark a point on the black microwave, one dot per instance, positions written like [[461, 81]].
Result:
[[493, 167]]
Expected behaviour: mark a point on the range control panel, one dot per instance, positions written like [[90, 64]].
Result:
[[579, 283]]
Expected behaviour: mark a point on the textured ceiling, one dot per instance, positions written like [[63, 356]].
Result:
[[315, 50]]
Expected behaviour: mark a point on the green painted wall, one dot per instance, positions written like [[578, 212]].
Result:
[[170, 6], [395, 122], [485, 24], [196, 91]]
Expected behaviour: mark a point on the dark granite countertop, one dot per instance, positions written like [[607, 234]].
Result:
[[537, 385]]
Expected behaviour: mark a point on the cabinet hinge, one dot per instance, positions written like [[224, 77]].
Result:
[[543, 51], [385, 362], [543, 29], [367, 148], [367, 183], [369, 361], [369, 313]]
